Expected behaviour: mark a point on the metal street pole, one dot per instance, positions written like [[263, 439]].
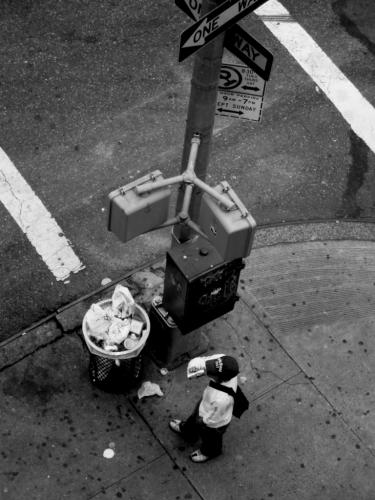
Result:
[[201, 117]]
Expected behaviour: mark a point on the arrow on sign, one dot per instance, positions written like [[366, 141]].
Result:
[[230, 111], [245, 87], [214, 23]]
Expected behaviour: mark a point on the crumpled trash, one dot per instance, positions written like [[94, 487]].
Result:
[[122, 302], [118, 331], [98, 322], [109, 327], [149, 389]]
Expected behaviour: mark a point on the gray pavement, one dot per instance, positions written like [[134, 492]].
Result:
[[303, 334]]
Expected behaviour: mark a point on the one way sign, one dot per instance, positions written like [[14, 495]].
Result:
[[249, 51], [214, 23]]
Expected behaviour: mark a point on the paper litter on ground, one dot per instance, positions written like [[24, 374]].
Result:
[[149, 389], [108, 453]]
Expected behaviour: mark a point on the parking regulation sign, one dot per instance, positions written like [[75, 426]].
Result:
[[236, 105], [240, 93]]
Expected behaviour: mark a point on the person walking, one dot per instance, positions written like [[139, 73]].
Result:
[[213, 413]]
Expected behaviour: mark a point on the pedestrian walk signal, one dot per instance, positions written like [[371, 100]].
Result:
[[231, 231], [131, 214]]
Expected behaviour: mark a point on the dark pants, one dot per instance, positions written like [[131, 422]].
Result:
[[211, 439]]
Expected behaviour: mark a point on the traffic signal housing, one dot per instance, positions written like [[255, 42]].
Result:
[[131, 214]]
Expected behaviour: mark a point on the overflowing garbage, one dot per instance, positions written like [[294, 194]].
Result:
[[117, 325]]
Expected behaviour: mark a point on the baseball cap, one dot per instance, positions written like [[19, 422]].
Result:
[[223, 368]]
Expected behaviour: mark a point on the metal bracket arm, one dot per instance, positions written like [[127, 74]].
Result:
[[190, 180], [182, 218], [213, 193], [152, 186]]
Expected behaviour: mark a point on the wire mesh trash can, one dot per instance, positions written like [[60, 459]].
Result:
[[117, 371], [112, 376]]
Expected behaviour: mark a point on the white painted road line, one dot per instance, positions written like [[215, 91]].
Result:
[[355, 109], [36, 222]]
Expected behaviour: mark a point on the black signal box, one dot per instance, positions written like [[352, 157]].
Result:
[[198, 285]]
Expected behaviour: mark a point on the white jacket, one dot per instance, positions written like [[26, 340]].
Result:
[[216, 406]]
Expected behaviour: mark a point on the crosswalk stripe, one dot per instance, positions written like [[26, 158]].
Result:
[[354, 108], [36, 222]]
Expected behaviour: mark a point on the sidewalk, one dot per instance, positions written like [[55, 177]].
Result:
[[303, 332]]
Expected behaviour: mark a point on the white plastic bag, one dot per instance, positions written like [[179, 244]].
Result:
[[118, 331], [149, 389], [122, 302], [98, 322]]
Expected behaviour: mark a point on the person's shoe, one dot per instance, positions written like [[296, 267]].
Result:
[[198, 457], [174, 424]]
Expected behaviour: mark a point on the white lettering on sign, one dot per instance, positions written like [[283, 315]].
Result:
[[208, 26]]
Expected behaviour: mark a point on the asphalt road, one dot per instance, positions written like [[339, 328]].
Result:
[[93, 96]]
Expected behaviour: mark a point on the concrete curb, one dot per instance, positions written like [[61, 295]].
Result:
[[144, 283], [302, 232], [147, 281]]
